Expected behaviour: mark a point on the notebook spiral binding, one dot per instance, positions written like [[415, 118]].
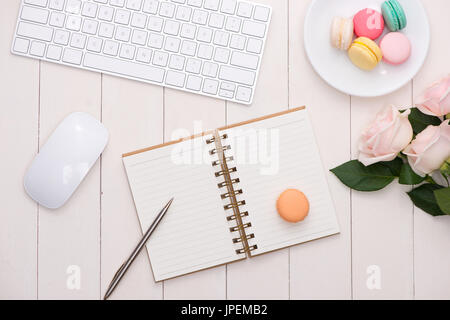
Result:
[[231, 193]]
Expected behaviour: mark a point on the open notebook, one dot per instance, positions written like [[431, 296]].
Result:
[[225, 184]]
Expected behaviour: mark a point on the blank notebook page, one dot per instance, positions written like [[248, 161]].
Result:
[[194, 234], [271, 156]]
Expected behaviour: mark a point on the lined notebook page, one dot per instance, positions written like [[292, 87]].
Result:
[[271, 156], [194, 234]]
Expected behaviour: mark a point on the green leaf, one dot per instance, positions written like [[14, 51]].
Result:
[[395, 166], [408, 176], [421, 121], [359, 177], [423, 198], [443, 199]]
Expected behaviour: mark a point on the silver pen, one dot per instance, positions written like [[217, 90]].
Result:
[[124, 267]]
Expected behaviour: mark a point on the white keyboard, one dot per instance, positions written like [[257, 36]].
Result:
[[209, 47]]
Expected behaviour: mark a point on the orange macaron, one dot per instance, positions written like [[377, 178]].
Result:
[[293, 205]]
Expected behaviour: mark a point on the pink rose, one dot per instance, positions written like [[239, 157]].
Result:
[[430, 149], [435, 101], [385, 137]]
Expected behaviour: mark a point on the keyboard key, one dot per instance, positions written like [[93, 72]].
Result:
[[176, 62], [210, 86], [195, 3], [172, 44], [73, 6], [216, 20], [167, 9], [106, 30], [78, 41], [204, 34], [211, 4], [139, 20], [61, 37], [183, 13], [244, 60], [254, 29], [261, 13], [210, 69], [40, 3], [237, 42], [175, 79], [139, 37], [222, 55], [144, 55], [33, 31], [226, 94], [228, 86], [123, 34], [151, 6], [233, 24], [111, 48], [126, 68], [188, 48], [221, 38], [72, 56], [56, 4], [106, 13], [94, 44], [155, 24], [127, 51], [193, 65], [237, 75], [160, 58], [155, 40], [89, 10], [134, 5], [188, 31], [228, 6], [122, 17], [243, 94], [73, 23], [205, 52], [37, 49], [117, 3], [245, 9], [200, 17], [34, 14], [21, 45], [254, 45], [194, 83], [57, 19], [90, 27], [54, 52], [172, 27]]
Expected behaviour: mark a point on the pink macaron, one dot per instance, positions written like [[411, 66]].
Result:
[[396, 48], [368, 23]]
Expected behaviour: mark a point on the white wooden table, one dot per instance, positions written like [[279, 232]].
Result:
[[41, 251]]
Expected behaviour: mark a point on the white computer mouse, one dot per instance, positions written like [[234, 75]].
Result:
[[65, 159]]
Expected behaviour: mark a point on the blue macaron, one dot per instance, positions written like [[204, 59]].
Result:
[[394, 15]]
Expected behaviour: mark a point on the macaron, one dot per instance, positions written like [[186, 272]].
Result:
[[396, 48], [365, 53], [368, 23], [341, 33], [394, 15], [292, 205]]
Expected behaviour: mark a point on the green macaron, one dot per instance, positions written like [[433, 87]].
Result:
[[394, 15]]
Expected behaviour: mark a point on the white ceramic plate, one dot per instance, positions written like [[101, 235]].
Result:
[[335, 67]]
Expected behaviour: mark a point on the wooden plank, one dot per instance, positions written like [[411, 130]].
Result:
[[432, 235], [69, 239], [133, 114], [266, 276], [382, 222], [19, 96], [188, 114], [321, 269]]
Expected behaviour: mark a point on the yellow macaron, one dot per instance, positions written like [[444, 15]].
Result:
[[365, 53]]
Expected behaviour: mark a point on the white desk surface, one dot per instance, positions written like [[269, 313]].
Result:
[[98, 227]]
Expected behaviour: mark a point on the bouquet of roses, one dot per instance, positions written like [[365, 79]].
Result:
[[412, 145]]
